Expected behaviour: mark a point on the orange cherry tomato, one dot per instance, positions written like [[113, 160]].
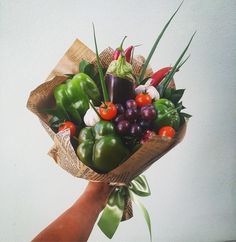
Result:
[[167, 131], [143, 99], [68, 125], [108, 111]]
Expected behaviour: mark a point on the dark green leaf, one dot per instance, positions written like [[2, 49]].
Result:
[[82, 65], [56, 112], [69, 75], [155, 45], [168, 93], [186, 115], [53, 120], [87, 68], [179, 106], [179, 91], [144, 80], [177, 95]]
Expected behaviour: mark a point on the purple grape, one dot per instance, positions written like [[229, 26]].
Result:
[[135, 130], [119, 118], [147, 106], [120, 108], [148, 113], [131, 104], [123, 127], [145, 124], [131, 114]]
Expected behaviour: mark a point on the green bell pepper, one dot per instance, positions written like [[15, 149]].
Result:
[[100, 148], [167, 115], [72, 97]]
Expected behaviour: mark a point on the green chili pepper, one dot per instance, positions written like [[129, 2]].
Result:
[[100, 148], [72, 97], [167, 115]]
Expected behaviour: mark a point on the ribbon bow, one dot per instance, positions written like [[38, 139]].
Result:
[[114, 210]]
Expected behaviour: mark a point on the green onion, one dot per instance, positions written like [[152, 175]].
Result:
[[104, 88], [155, 45], [182, 63], [162, 86], [94, 108]]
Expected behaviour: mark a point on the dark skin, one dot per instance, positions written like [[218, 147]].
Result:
[[76, 223]]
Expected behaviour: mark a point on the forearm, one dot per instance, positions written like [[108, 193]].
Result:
[[76, 223]]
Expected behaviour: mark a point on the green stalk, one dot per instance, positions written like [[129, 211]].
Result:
[[122, 42], [183, 62], [104, 88], [94, 108], [162, 86], [155, 45]]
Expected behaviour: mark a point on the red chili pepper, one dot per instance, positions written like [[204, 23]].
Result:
[[157, 77], [128, 53], [119, 50]]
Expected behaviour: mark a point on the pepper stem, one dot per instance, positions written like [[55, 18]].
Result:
[[122, 42]]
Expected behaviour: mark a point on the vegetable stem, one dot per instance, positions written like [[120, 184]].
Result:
[[122, 42]]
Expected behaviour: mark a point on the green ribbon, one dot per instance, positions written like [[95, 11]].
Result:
[[113, 212]]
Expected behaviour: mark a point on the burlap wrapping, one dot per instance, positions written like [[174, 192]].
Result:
[[62, 151]]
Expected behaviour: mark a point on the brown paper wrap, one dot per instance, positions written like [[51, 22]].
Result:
[[62, 151]]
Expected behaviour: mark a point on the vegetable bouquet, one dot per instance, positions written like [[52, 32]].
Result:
[[111, 117]]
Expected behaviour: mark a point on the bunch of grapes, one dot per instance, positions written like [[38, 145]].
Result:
[[132, 120]]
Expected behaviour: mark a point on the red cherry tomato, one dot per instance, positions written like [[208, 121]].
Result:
[[143, 99], [108, 111], [68, 125], [167, 131]]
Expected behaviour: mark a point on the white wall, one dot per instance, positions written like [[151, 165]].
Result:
[[193, 187]]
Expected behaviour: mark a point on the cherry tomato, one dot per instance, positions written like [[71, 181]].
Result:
[[167, 131], [143, 99], [68, 125], [108, 111]]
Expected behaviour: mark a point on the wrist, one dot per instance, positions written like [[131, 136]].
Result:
[[98, 192]]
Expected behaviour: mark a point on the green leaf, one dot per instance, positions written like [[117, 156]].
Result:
[[82, 65], [179, 106], [163, 85], [168, 93], [104, 88], [177, 95], [87, 68], [56, 112], [186, 115], [69, 75], [155, 45], [144, 80]]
